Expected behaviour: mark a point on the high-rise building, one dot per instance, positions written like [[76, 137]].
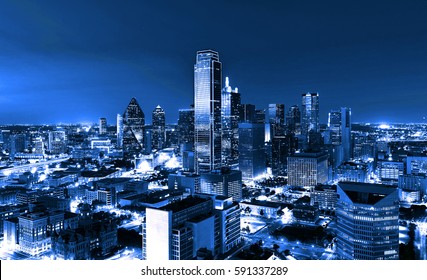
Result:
[[38, 145], [222, 181], [18, 143], [334, 127], [230, 125], [367, 221], [339, 132], [57, 142], [276, 119], [309, 116], [251, 150], [119, 131], [307, 169], [346, 132], [178, 230], [364, 146], [186, 129], [158, 130], [293, 120], [207, 111], [228, 212], [247, 113], [282, 146], [133, 129], [102, 126]]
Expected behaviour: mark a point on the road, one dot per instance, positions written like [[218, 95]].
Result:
[[28, 167], [298, 249]]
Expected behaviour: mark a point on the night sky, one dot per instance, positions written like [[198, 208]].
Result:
[[77, 61]]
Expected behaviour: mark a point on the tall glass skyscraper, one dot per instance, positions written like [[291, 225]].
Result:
[[158, 130], [119, 131], [133, 129], [230, 104], [207, 111], [309, 115], [293, 120], [276, 119], [339, 124]]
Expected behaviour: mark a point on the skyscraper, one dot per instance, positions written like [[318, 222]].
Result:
[[339, 125], [133, 129], [307, 169], [367, 221], [158, 130], [230, 104], [178, 230], [207, 111], [119, 131], [276, 119], [222, 181], [293, 120], [186, 129], [309, 116], [102, 126], [251, 150], [334, 127]]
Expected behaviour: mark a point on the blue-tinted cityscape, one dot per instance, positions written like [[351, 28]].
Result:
[[231, 176]]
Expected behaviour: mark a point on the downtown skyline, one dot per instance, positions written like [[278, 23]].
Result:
[[365, 56]]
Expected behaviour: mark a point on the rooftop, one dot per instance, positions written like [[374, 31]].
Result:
[[366, 193], [184, 204]]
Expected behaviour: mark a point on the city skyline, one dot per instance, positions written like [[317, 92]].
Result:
[[368, 57]]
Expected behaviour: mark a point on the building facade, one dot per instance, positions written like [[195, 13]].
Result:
[[207, 111], [307, 169], [133, 129], [367, 222]]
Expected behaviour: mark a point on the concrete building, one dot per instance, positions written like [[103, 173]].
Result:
[[225, 182], [307, 169], [367, 221]]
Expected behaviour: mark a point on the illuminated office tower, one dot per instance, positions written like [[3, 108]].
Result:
[[186, 138], [339, 125], [307, 169], [38, 145], [222, 181], [230, 125], [247, 113], [102, 126], [207, 111], [186, 129], [367, 221], [346, 132], [186, 126], [57, 142], [309, 117], [334, 127], [33, 233], [158, 129], [251, 150], [228, 212], [276, 119], [119, 131], [293, 120], [133, 129]]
